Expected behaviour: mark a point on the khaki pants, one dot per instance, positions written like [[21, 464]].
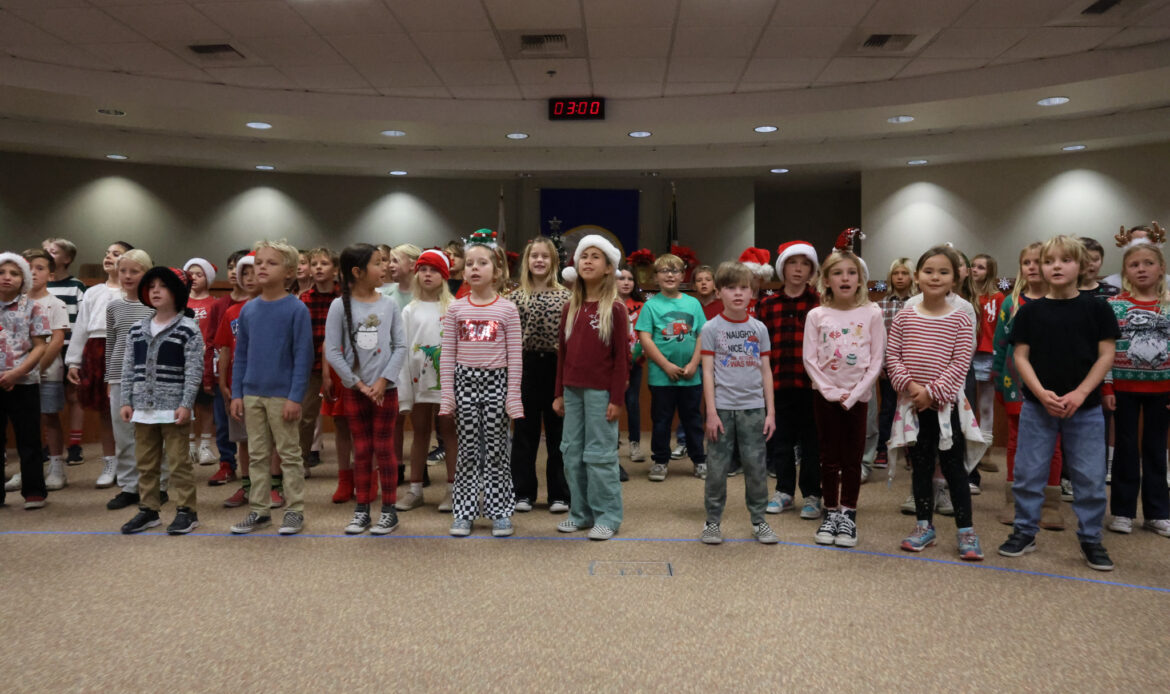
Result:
[[151, 443], [267, 430], [310, 408]]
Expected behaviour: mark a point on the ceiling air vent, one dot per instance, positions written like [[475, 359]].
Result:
[[217, 52], [888, 43], [1101, 7], [543, 44]]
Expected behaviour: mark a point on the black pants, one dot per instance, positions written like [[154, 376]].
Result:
[[886, 410], [952, 463], [537, 388], [688, 401], [1140, 469], [795, 424], [22, 407]]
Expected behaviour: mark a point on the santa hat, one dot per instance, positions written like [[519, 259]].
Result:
[[592, 241], [249, 259], [177, 283], [757, 260], [433, 257], [25, 270], [209, 268], [846, 238], [793, 249]]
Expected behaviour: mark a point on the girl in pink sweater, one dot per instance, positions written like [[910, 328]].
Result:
[[843, 342]]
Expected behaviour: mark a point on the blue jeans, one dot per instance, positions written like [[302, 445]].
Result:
[[227, 449], [1083, 437], [664, 401]]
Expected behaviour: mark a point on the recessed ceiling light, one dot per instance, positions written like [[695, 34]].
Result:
[[258, 125], [898, 120], [1073, 148], [517, 136], [916, 162], [397, 173], [117, 157], [265, 167], [1053, 101], [641, 133], [778, 171], [765, 128], [394, 133], [111, 112]]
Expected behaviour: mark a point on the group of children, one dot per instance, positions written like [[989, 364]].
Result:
[[813, 383]]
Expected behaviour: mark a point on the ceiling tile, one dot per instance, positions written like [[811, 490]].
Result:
[[1136, 36], [58, 54], [905, 14], [1160, 18], [623, 13], [784, 69], [746, 87], [930, 66], [623, 42], [372, 51], [347, 16], [535, 72], [629, 90], [804, 42], [486, 91], [400, 75], [440, 15], [714, 42], [46, 4], [416, 92], [1012, 13], [724, 13], [189, 75], [465, 73], [545, 91], [698, 88], [458, 45], [705, 70], [973, 42], [616, 70], [534, 14], [1051, 41], [80, 25], [14, 31], [326, 77], [842, 70], [266, 77], [822, 13], [145, 58], [294, 51], [169, 23], [256, 18]]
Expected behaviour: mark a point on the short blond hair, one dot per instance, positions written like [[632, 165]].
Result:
[[861, 297], [668, 260], [292, 257], [1071, 245], [66, 246], [136, 255]]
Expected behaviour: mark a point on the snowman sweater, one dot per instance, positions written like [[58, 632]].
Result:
[[932, 351], [423, 325], [842, 351], [375, 335]]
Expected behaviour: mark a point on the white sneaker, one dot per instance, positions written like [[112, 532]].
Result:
[[636, 454], [106, 479], [865, 472], [657, 472], [1161, 526], [13, 485], [445, 504], [523, 505], [678, 452], [1122, 525], [975, 490], [206, 456], [908, 506], [942, 499], [558, 507], [55, 479]]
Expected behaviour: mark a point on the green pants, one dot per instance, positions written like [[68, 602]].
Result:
[[589, 445], [747, 428]]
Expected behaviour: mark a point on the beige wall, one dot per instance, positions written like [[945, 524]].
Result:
[[998, 207]]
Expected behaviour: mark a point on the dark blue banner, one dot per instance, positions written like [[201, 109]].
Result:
[[578, 212]]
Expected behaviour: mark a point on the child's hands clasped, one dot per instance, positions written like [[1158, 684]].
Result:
[[674, 372], [1071, 402], [919, 396], [1052, 403]]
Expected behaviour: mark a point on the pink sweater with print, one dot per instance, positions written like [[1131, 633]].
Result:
[[484, 337], [843, 351]]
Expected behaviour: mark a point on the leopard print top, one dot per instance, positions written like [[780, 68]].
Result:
[[540, 317]]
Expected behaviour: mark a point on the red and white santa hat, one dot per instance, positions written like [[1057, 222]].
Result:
[[209, 268], [433, 257], [249, 259], [592, 241], [22, 264], [793, 249], [758, 261]]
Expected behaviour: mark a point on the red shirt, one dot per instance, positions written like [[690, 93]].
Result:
[[202, 310], [584, 361], [784, 317], [633, 308], [712, 309], [989, 307], [225, 335]]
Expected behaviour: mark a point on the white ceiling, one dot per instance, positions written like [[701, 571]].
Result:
[[697, 73]]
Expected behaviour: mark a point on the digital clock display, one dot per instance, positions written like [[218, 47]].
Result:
[[580, 108]]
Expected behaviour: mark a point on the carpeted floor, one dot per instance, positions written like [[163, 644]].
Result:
[[652, 610]]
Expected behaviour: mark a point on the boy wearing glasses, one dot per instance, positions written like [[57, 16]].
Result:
[[668, 329]]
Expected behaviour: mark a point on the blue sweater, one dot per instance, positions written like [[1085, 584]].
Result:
[[274, 349]]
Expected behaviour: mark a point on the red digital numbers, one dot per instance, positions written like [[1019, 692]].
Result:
[[576, 109]]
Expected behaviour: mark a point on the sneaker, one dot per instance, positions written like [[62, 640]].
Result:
[[678, 451], [238, 499], [185, 521], [558, 507], [657, 472], [13, 484], [922, 537], [251, 522], [637, 455], [623, 476], [437, 455], [827, 533], [1096, 556], [314, 459], [1161, 526], [846, 529], [712, 534], [1122, 525], [969, 548], [882, 461], [733, 472], [601, 532], [764, 534], [122, 500], [1066, 490], [701, 471], [447, 502], [523, 505], [387, 522], [1017, 544], [143, 520], [974, 489], [74, 456], [461, 528], [206, 457], [55, 479], [223, 475], [292, 524], [908, 506], [865, 473], [277, 498], [358, 524], [410, 500], [780, 503], [812, 508], [942, 500], [568, 526], [106, 479], [34, 502], [502, 527]]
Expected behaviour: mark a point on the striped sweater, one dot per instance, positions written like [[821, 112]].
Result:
[[70, 290], [932, 351], [121, 315], [162, 371], [484, 337]]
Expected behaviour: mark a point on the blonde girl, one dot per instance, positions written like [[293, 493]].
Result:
[[844, 339], [400, 268], [591, 374], [539, 300]]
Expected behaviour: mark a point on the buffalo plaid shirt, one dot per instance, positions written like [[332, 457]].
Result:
[[784, 317], [890, 305], [318, 303]]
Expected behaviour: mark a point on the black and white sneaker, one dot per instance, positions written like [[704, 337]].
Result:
[[437, 455], [359, 522], [144, 520], [387, 523], [827, 533], [122, 500], [1018, 544], [185, 521], [75, 457], [712, 534], [251, 522], [293, 523], [1096, 556], [846, 529]]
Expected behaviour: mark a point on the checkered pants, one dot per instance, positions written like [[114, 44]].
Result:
[[485, 448]]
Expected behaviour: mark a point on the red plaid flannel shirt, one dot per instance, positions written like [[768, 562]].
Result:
[[318, 304], [784, 317]]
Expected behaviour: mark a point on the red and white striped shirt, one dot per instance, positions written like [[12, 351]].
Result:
[[482, 337], [932, 351]]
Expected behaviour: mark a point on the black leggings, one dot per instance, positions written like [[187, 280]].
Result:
[[922, 457]]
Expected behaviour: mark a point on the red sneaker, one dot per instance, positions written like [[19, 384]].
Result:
[[882, 461], [34, 502], [238, 499], [277, 499], [223, 475]]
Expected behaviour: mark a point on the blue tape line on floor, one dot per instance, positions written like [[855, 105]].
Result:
[[581, 538]]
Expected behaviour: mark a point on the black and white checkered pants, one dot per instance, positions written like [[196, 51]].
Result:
[[485, 447]]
